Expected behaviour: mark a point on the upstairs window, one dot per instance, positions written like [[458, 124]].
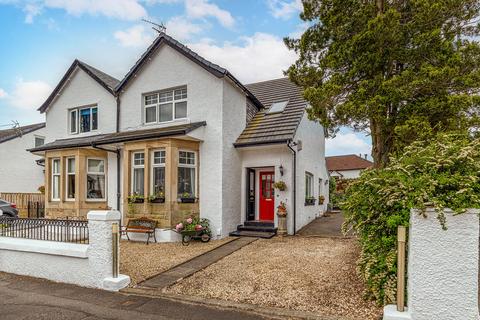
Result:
[[165, 106], [308, 185], [83, 120]]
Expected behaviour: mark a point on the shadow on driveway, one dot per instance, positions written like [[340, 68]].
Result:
[[329, 225]]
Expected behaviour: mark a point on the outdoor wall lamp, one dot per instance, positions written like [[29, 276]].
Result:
[[281, 170]]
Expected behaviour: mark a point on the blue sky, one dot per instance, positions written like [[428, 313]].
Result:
[[41, 38]]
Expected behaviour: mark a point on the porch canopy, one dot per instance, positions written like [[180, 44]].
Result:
[[126, 136]]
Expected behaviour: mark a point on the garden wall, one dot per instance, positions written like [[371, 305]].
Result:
[[88, 265]]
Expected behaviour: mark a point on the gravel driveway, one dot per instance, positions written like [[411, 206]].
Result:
[[307, 274], [141, 261]]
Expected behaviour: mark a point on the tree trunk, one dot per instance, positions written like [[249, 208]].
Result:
[[381, 145]]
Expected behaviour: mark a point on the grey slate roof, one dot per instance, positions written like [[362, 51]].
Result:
[[133, 135], [279, 127], [105, 80], [9, 134]]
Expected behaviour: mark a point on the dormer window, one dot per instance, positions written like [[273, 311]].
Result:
[[83, 120], [164, 106]]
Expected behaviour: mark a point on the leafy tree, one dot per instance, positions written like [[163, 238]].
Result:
[[398, 70]]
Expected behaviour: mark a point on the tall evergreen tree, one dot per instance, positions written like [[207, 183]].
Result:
[[398, 70]]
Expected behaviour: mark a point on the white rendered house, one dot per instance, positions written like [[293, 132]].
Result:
[[184, 130], [20, 170]]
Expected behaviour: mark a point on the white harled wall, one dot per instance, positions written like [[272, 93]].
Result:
[[19, 171], [310, 158], [80, 90]]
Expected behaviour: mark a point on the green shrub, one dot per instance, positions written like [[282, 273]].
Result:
[[441, 174]]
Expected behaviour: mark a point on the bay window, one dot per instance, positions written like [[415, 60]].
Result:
[[186, 174], [83, 120], [158, 173], [138, 170], [95, 179], [165, 106], [55, 193], [70, 173]]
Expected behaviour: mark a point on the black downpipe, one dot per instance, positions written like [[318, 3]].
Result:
[[118, 153], [294, 187]]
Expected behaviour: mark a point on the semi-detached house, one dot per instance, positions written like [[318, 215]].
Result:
[[186, 132]]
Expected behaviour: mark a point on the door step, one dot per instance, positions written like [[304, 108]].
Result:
[[256, 234], [259, 229]]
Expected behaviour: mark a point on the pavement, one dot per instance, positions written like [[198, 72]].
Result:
[[329, 225], [196, 264], [28, 298]]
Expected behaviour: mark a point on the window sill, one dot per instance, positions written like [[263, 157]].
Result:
[[167, 123], [95, 200]]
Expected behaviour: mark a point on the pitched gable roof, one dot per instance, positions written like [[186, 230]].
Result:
[[105, 80], [214, 69], [279, 127], [9, 134], [347, 162]]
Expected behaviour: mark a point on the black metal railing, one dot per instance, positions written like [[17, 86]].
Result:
[[75, 231]]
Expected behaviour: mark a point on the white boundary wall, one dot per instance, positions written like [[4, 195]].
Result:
[[442, 268], [88, 265]]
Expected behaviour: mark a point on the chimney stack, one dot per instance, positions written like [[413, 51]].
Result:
[[366, 156]]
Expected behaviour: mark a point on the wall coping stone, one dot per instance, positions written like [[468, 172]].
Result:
[[46, 247]]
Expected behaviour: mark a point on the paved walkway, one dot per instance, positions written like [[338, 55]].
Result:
[[35, 299], [188, 268], [326, 226]]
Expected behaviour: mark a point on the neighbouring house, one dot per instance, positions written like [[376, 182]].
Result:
[[181, 136], [20, 170], [347, 166]]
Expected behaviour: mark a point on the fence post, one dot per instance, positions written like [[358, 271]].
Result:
[[401, 239], [115, 250]]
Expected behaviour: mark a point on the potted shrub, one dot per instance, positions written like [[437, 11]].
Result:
[[186, 198], [280, 185], [321, 199], [158, 197], [310, 201], [136, 198]]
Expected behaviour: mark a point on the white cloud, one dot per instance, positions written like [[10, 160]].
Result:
[[3, 93], [198, 9], [181, 28], [29, 95], [260, 57], [152, 2], [119, 9], [284, 9], [347, 143], [135, 36]]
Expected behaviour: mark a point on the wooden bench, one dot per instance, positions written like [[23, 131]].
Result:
[[141, 225]]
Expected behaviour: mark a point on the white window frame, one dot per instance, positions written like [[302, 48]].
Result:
[[97, 174], [70, 121], [155, 165], [53, 175], [67, 174], [157, 105], [309, 187], [77, 119], [137, 166], [194, 166]]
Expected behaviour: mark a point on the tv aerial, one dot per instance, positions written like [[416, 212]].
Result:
[[159, 27]]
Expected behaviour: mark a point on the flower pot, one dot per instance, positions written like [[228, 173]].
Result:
[[309, 202], [137, 201], [158, 200], [187, 200], [282, 225]]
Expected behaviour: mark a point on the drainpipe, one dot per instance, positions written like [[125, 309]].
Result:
[[118, 151], [294, 186]]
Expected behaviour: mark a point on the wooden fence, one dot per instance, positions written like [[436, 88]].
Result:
[[22, 200]]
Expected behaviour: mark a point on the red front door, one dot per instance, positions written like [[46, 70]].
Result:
[[267, 201]]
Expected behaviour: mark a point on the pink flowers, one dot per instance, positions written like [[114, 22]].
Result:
[[179, 226], [189, 220], [198, 227]]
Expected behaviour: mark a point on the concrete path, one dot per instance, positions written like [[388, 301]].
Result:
[[30, 298], [188, 268], [326, 226]]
